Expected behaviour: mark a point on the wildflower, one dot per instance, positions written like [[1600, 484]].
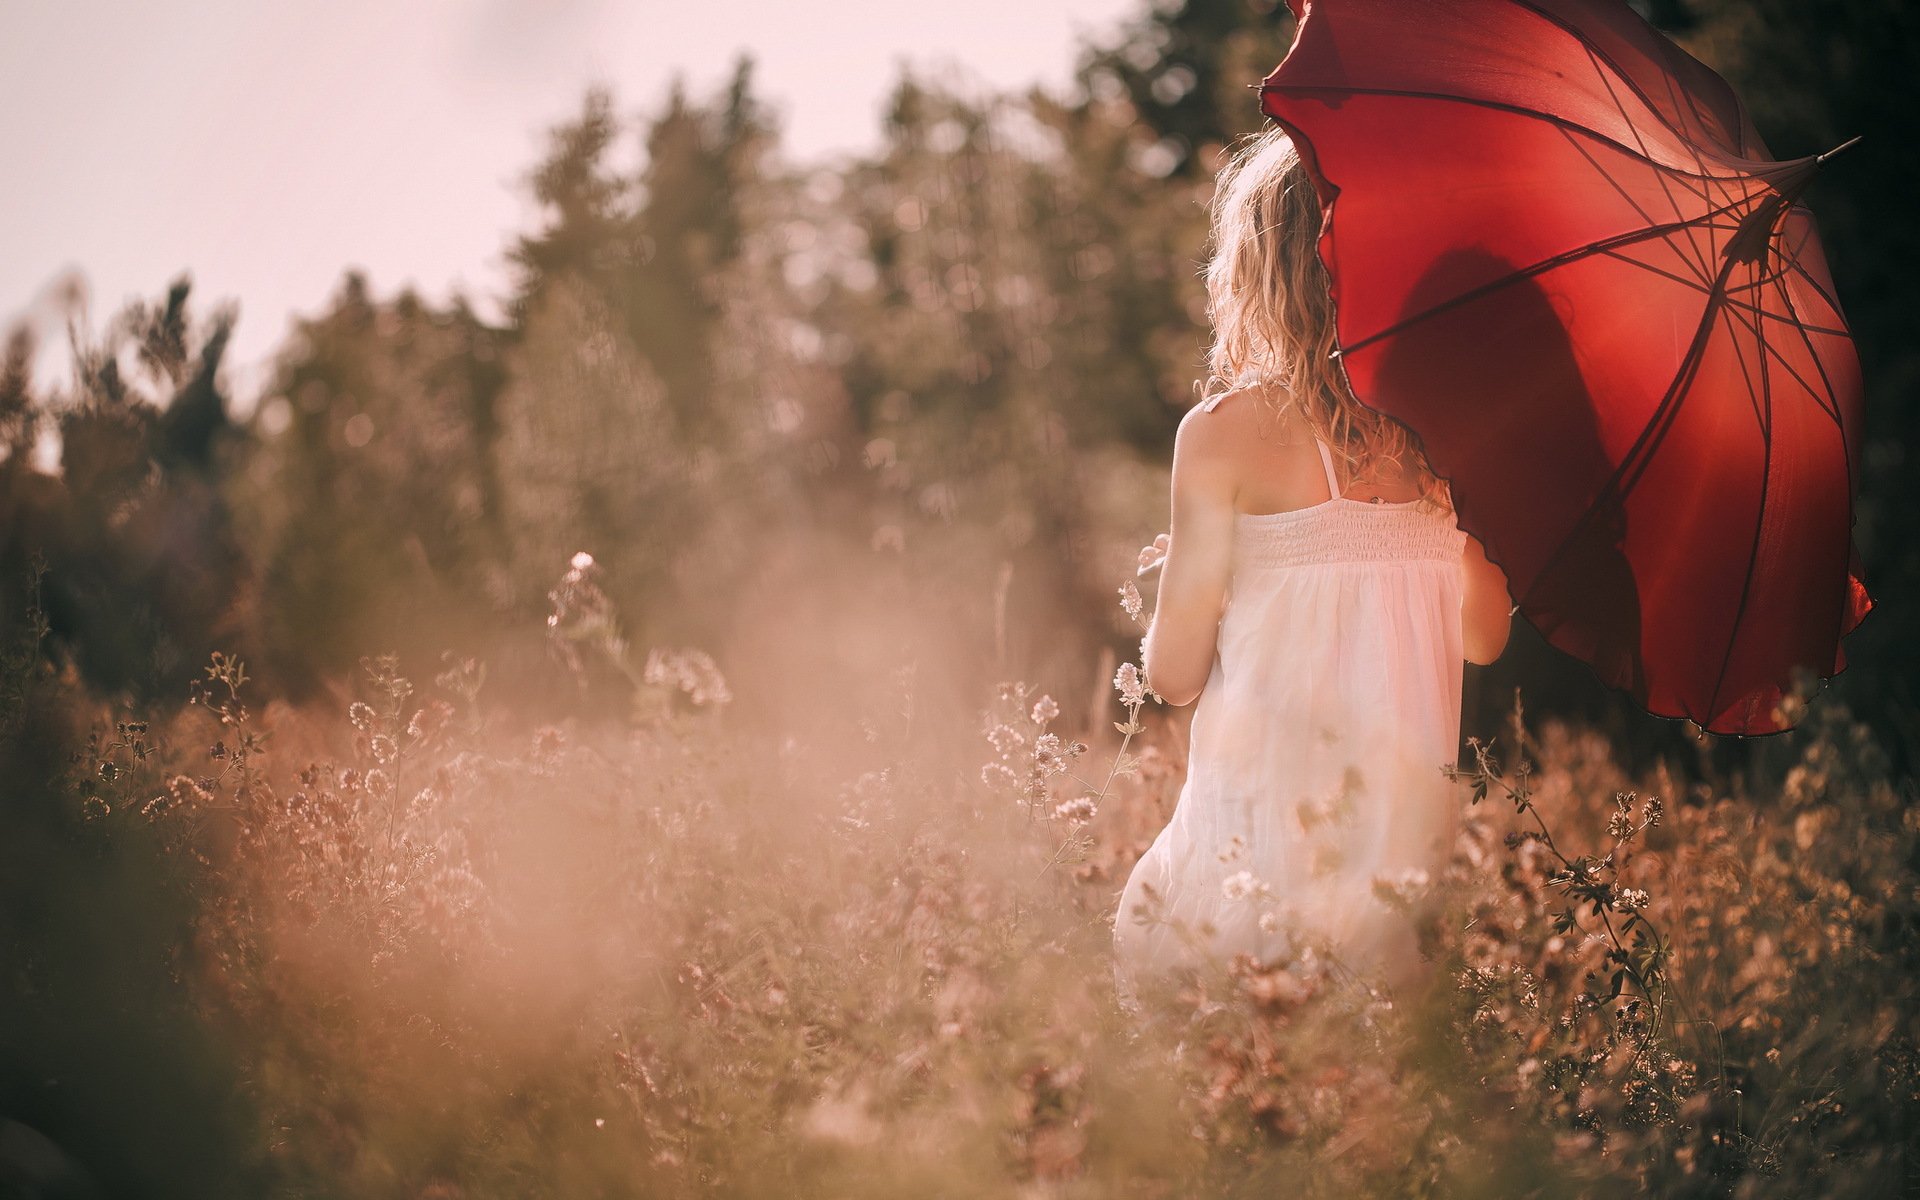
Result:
[[361, 714], [1631, 900], [690, 671], [1049, 754], [1619, 825], [182, 790], [580, 608], [1080, 809], [1650, 815], [998, 775], [1130, 600], [1401, 890], [1241, 885], [384, 748], [1269, 922], [379, 782], [1005, 739], [429, 720], [1131, 684], [1045, 709], [424, 801]]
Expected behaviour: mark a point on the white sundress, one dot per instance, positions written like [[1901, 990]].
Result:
[[1318, 747]]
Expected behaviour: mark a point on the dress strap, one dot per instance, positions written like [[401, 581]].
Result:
[[1326, 461]]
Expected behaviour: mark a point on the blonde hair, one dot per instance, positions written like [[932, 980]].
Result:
[[1272, 312]]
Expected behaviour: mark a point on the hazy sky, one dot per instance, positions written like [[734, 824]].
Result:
[[267, 145]]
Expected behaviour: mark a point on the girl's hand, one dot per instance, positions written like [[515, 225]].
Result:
[[1152, 556]]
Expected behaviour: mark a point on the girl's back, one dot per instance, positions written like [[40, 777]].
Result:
[[1327, 718], [1319, 622]]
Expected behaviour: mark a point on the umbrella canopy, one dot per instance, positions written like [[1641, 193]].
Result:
[[1561, 254]]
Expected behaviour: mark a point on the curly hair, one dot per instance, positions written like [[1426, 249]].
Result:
[[1272, 311]]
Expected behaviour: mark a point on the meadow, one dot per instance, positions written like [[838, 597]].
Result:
[[411, 947]]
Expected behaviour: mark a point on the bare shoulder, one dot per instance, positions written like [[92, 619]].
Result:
[[1240, 426], [1205, 450], [1208, 432], [1264, 411]]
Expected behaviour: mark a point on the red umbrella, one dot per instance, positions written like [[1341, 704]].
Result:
[[1561, 254]]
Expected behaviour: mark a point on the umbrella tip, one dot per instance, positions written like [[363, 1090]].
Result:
[[1846, 145]]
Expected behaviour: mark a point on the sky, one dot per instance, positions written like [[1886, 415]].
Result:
[[266, 146]]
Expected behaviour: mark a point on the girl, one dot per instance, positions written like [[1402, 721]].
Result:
[[1316, 600]]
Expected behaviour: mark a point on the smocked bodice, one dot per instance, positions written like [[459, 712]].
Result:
[[1344, 530]]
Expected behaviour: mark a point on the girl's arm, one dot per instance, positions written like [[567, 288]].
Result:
[[1486, 611], [1193, 583]]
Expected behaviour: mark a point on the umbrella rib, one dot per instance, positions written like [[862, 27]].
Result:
[[1682, 280], [1774, 316], [1759, 524], [1825, 404], [1833, 396], [1595, 56], [1623, 193], [1756, 326], [1539, 268], [1595, 52], [1759, 281], [1498, 106], [1634, 462], [1793, 260], [1740, 358], [1828, 403], [1832, 301], [1819, 365], [1762, 281], [1745, 306], [1679, 96]]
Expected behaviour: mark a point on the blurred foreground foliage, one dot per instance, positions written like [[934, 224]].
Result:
[[413, 947]]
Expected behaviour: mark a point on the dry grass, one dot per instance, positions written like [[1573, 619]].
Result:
[[668, 956]]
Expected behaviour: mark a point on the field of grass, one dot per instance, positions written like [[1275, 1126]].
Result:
[[402, 946]]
